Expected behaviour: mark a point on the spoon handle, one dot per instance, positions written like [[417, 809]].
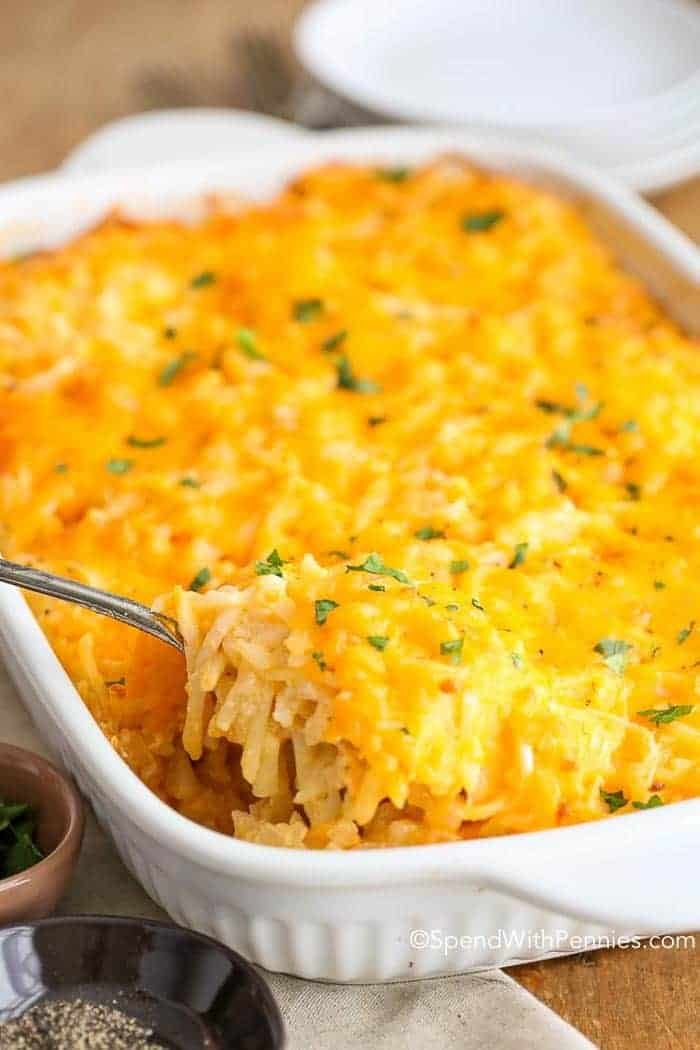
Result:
[[119, 608]]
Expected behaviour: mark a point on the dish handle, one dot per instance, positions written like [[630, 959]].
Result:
[[637, 877]]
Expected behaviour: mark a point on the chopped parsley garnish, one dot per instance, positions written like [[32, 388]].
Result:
[[480, 221], [661, 716], [169, 333], [429, 533], [477, 605], [634, 491], [629, 426], [323, 607], [452, 607], [584, 450], [395, 175], [190, 483], [119, 466], [559, 481], [375, 421], [61, 468], [614, 652], [684, 634], [248, 342], [10, 811], [272, 566], [376, 587], [561, 436], [553, 407], [373, 563], [459, 566], [347, 380], [318, 657], [306, 310], [453, 649], [516, 659], [428, 600], [115, 681], [581, 414], [652, 803], [137, 442], [203, 279], [614, 800], [659, 585], [174, 367], [202, 577], [18, 848], [519, 555], [379, 641], [334, 341]]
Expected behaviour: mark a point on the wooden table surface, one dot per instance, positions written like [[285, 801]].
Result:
[[67, 66]]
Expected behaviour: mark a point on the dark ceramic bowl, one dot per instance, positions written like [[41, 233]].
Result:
[[26, 777], [193, 993]]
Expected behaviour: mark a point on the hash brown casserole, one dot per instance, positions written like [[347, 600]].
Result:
[[416, 466]]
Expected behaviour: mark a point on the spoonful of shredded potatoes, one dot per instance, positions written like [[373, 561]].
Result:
[[356, 693]]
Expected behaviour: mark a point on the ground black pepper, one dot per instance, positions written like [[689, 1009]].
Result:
[[59, 1024]]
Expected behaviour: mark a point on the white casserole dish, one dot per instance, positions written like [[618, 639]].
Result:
[[349, 916]]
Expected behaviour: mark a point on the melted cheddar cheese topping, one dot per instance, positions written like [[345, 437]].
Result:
[[439, 370]]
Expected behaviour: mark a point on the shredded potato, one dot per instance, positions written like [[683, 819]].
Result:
[[415, 465]]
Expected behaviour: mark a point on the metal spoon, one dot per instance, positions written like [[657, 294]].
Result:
[[124, 609]]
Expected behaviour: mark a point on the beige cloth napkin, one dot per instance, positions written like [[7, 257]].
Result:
[[486, 1011]]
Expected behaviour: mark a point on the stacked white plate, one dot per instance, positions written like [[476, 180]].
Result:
[[615, 81]]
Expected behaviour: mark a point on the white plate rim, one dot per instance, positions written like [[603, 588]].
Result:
[[677, 162]]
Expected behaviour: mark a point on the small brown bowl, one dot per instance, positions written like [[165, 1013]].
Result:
[[26, 777]]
